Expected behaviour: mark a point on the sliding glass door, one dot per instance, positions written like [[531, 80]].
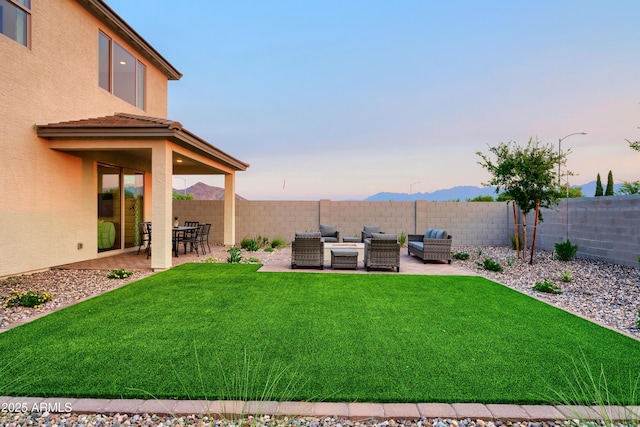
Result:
[[120, 207]]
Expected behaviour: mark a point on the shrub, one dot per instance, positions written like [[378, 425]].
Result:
[[547, 287], [565, 250], [253, 245], [253, 260], [460, 255], [402, 239], [566, 276], [244, 244], [119, 273], [235, 256], [489, 264], [27, 299], [278, 242], [269, 249]]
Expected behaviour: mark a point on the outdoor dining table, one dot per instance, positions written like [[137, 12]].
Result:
[[178, 235]]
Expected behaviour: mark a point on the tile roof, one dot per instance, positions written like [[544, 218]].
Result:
[[119, 120], [135, 127]]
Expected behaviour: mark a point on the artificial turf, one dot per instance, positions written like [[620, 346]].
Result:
[[220, 331]]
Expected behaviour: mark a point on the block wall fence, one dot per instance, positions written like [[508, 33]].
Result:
[[606, 228]]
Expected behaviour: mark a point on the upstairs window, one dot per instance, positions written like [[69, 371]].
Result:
[[119, 72], [15, 16]]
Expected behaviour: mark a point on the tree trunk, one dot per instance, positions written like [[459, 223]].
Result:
[[515, 229], [535, 230], [524, 234]]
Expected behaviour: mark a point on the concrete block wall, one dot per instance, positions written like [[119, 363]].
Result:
[[605, 228], [478, 223], [470, 223]]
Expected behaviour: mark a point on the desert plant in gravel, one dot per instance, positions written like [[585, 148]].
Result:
[[29, 299], [119, 273], [489, 264], [235, 256], [565, 251], [277, 242], [548, 287], [460, 255], [566, 276]]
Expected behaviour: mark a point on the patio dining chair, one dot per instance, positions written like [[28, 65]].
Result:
[[192, 238], [189, 234], [144, 230], [204, 237]]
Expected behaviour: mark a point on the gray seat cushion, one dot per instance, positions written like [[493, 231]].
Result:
[[417, 245]]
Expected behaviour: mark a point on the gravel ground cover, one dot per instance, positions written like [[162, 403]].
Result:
[[605, 293]]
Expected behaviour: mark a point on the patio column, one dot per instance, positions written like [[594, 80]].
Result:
[[161, 206], [229, 237]]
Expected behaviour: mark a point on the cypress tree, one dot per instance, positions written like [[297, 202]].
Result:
[[609, 190], [598, 186]]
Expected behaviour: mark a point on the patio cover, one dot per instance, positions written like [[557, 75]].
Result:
[[162, 147]]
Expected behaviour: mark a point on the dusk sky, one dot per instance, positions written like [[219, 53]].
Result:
[[344, 99]]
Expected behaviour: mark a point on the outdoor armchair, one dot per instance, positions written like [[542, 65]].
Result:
[[382, 251], [307, 250], [367, 230], [329, 233]]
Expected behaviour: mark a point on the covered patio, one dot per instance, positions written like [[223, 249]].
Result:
[[154, 147]]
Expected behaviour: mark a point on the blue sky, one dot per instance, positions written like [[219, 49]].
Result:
[[344, 99]]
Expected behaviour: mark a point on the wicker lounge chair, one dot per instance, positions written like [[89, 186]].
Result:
[[382, 251], [307, 250], [367, 230], [433, 245], [329, 233]]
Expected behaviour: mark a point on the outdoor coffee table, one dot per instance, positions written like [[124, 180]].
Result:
[[344, 258]]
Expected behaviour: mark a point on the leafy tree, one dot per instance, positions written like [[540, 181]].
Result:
[[481, 199], [527, 174], [629, 188], [599, 191], [179, 196], [609, 190], [575, 192]]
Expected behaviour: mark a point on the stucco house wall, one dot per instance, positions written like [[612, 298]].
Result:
[[48, 197]]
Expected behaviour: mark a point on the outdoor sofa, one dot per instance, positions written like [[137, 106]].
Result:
[[433, 245]]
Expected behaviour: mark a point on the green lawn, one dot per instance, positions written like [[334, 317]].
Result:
[[220, 331]]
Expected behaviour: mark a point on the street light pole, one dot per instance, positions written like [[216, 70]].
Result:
[[411, 188], [185, 183], [560, 153]]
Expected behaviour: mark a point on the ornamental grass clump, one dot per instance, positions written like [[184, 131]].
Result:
[[235, 256], [26, 299]]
